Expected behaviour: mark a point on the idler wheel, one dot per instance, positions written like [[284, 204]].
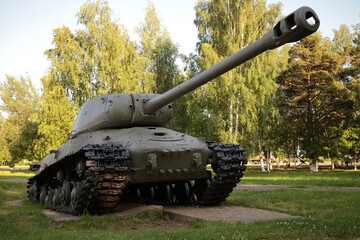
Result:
[[56, 200], [200, 186], [60, 175], [168, 195], [73, 194], [151, 194], [32, 192], [49, 195], [182, 192], [145, 195], [65, 193], [80, 168], [163, 193], [76, 188], [43, 194], [148, 194]]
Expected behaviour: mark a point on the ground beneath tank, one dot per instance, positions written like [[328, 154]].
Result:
[[231, 214], [180, 215], [14, 179]]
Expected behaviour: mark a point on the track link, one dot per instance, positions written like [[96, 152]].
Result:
[[96, 190], [229, 162]]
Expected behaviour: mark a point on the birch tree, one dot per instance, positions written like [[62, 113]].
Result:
[[240, 101], [98, 58], [158, 53]]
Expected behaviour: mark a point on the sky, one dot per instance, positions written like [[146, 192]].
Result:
[[26, 26]]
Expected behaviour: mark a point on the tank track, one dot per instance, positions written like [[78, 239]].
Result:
[[228, 162], [97, 186]]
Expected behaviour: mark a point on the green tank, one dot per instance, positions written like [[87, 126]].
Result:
[[122, 150]]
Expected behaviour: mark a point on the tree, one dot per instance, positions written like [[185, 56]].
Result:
[[348, 132], [237, 105], [18, 131], [56, 117], [342, 38], [159, 53], [4, 148], [312, 92], [349, 142], [95, 60]]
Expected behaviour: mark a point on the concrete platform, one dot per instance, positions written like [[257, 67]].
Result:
[[122, 210], [133, 208], [59, 216], [232, 214]]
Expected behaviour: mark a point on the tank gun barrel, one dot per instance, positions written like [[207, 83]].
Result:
[[297, 25]]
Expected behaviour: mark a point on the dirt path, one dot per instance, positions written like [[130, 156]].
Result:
[[14, 179], [19, 203], [257, 187]]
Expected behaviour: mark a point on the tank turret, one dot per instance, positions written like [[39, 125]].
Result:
[[122, 150]]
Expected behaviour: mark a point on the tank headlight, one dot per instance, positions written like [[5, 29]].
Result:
[[151, 161], [196, 159]]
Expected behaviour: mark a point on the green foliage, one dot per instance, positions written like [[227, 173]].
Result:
[[18, 130], [158, 52], [4, 149], [343, 137], [56, 118], [95, 60], [314, 97], [239, 103], [342, 38]]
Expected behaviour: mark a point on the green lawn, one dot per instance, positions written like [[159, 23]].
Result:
[[324, 214], [303, 178], [16, 174]]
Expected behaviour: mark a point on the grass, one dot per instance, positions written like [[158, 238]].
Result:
[[302, 177], [324, 214], [16, 166], [16, 174]]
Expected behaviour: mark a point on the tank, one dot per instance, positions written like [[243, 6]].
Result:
[[122, 150]]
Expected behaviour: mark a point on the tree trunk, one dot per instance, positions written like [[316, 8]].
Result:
[[313, 166], [310, 131], [269, 163], [262, 165], [231, 118], [237, 117]]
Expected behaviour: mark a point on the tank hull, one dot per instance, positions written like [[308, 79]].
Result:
[[156, 154], [140, 164]]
